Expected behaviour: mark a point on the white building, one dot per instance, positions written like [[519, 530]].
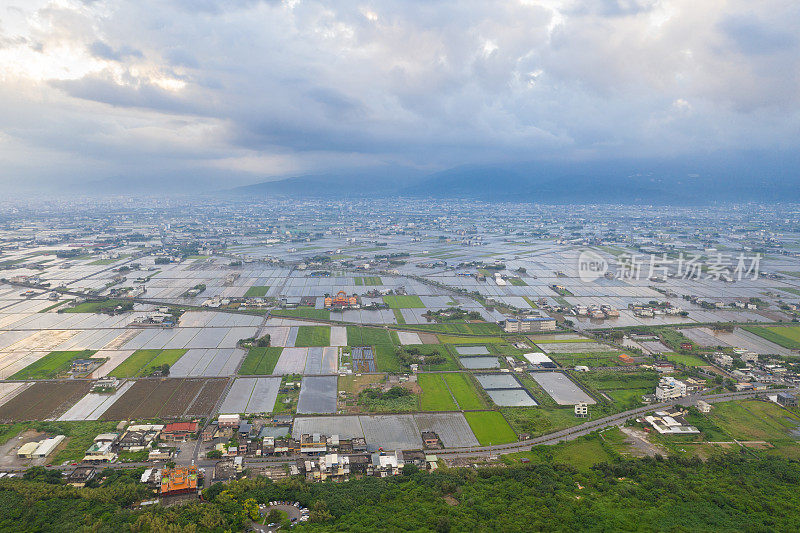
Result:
[[582, 410], [670, 388], [529, 324]]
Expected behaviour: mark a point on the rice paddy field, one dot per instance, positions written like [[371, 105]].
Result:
[[308, 342]]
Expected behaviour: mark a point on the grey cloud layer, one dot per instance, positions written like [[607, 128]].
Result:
[[266, 88]]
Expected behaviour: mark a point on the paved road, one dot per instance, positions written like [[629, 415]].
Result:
[[594, 425], [483, 451]]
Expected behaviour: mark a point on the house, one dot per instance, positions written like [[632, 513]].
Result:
[[670, 423], [670, 388], [539, 359], [431, 440], [228, 421], [100, 452], [179, 431], [82, 366], [26, 450], [787, 399], [703, 407], [723, 359], [664, 368], [138, 437], [625, 359], [209, 432], [47, 446], [159, 454], [529, 324], [81, 475]]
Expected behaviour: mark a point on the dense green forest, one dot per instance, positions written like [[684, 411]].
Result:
[[731, 493]]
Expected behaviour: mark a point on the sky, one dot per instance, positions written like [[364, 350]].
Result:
[[239, 91]]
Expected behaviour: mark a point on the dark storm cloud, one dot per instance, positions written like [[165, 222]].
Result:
[[268, 88]]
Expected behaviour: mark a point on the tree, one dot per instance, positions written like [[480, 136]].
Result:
[[214, 454], [320, 512], [250, 507]]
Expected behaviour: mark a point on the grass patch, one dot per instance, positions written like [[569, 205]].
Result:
[[518, 282], [260, 361], [686, 360], [308, 336], [490, 428], [52, 364], [538, 421], [609, 380], [533, 305], [398, 316], [754, 420], [257, 291], [581, 453], [352, 384], [396, 301]]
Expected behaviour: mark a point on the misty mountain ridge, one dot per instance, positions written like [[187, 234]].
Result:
[[656, 182]]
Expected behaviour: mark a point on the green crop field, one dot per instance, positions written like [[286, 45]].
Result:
[[435, 395], [490, 427], [361, 336], [167, 357], [517, 282], [384, 343], [313, 336], [260, 361], [52, 364], [754, 420], [303, 312], [546, 340], [257, 291], [464, 391], [786, 336], [395, 301], [93, 307], [480, 328], [369, 281], [688, 360], [454, 339], [140, 362]]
